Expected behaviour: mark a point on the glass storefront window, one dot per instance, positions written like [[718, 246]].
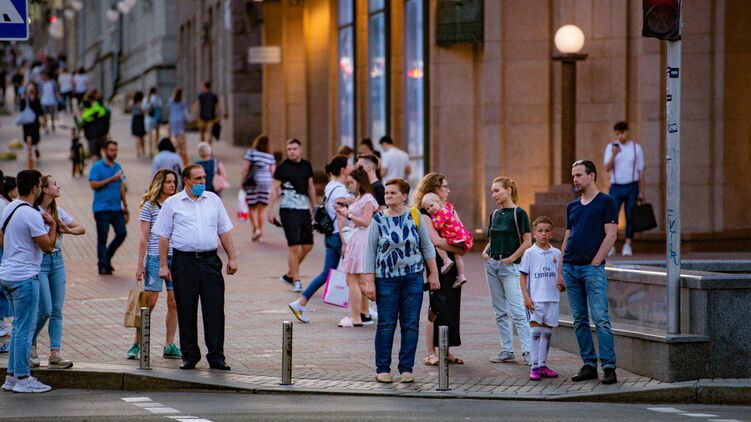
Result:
[[377, 70], [346, 73], [415, 85]]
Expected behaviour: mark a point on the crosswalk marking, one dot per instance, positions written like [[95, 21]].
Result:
[[664, 409], [699, 415], [146, 403]]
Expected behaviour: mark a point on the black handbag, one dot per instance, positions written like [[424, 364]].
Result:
[[643, 217], [322, 222], [250, 178]]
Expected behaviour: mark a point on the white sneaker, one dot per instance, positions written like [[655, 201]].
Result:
[[4, 332], [9, 383], [626, 251], [373, 310], [612, 251], [301, 313], [30, 385], [298, 286]]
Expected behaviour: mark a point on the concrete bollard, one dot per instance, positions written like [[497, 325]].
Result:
[[443, 358], [145, 362], [286, 353]]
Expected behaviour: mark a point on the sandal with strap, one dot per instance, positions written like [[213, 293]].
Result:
[[455, 360], [347, 322], [431, 360]]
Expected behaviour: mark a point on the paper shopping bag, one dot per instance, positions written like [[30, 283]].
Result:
[[133, 307], [336, 291]]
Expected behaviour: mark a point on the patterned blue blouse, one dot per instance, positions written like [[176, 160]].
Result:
[[396, 246]]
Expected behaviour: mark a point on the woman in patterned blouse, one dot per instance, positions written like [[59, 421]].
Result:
[[397, 252]]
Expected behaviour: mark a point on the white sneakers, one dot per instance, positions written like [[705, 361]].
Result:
[[297, 286], [30, 385], [26, 385], [9, 383], [626, 251]]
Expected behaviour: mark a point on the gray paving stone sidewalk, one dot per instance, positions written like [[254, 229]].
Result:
[[325, 357]]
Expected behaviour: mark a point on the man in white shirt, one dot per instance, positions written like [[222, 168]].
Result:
[[624, 159], [194, 220], [394, 162], [24, 237]]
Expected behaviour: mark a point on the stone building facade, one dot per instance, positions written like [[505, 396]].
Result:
[[134, 53], [492, 107], [213, 40]]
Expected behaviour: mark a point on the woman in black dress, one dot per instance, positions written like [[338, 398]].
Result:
[[446, 302]]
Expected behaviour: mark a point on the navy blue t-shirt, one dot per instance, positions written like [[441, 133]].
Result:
[[587, 225]]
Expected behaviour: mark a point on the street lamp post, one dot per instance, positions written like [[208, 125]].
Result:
[[569, 40]]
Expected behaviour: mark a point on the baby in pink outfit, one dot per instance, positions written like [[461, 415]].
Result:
[[446, 222]]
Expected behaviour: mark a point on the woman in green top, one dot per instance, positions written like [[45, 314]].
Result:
[[510, 235]]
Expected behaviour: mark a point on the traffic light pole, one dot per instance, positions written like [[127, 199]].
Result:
[[673, 202]]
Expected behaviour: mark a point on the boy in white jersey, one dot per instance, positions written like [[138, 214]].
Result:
[[539, 282]]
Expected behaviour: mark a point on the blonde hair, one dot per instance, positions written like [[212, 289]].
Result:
[[155, 188], [543, 220], [429, 184], [430, 198], [508, 183], [204, 148]]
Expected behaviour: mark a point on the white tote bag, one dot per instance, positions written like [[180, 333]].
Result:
[[336, 291]]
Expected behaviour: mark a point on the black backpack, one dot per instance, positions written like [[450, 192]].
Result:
[[322, 222]]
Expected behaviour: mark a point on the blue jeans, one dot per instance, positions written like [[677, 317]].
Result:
[[24, 300], [333, 243], [508, 303], [398, 298], [588, 290], [5, 310], [627, 194], [51, 297], [103, 221]]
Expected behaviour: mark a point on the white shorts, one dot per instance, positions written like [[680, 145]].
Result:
[[545, 313]]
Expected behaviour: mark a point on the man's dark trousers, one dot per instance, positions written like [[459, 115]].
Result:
[[194, 276], [103, 221]]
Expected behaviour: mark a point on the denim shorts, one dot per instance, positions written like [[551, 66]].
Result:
[[152, 282]]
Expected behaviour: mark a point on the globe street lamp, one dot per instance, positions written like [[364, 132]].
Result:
[[569, 40]]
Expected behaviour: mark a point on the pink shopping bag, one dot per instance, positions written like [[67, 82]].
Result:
[[336, 291]]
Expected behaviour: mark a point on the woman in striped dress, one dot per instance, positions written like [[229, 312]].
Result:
[[259, 161]]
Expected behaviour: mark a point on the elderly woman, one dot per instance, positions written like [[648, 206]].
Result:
[[445, 304], [396, 254]]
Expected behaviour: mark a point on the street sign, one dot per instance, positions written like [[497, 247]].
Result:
[[14, 20], [265, 55]]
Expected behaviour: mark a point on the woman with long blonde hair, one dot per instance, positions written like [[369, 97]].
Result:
[[163, 185], [52, 276]]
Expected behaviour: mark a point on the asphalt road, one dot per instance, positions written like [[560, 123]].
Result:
[[85, 405]]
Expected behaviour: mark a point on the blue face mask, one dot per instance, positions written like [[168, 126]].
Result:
[[198, 189]]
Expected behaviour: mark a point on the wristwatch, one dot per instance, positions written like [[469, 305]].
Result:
[[349, 216]]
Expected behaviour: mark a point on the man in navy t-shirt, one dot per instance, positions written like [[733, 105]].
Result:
[[110, 205], [591, 228]]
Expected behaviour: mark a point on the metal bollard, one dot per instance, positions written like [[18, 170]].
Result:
[[286, 353], [145, 338], [443, 358]]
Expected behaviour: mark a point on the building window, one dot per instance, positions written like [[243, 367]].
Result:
[[414, 87], [346, 71], [378, 68]]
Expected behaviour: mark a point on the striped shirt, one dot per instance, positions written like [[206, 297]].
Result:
[[149, 215], [261, 163]]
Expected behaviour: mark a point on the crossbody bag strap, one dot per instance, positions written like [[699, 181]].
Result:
[[516, 223], [7, 221], [492, 217]]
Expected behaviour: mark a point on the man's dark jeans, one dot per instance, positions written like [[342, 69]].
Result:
[[103, 221]]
